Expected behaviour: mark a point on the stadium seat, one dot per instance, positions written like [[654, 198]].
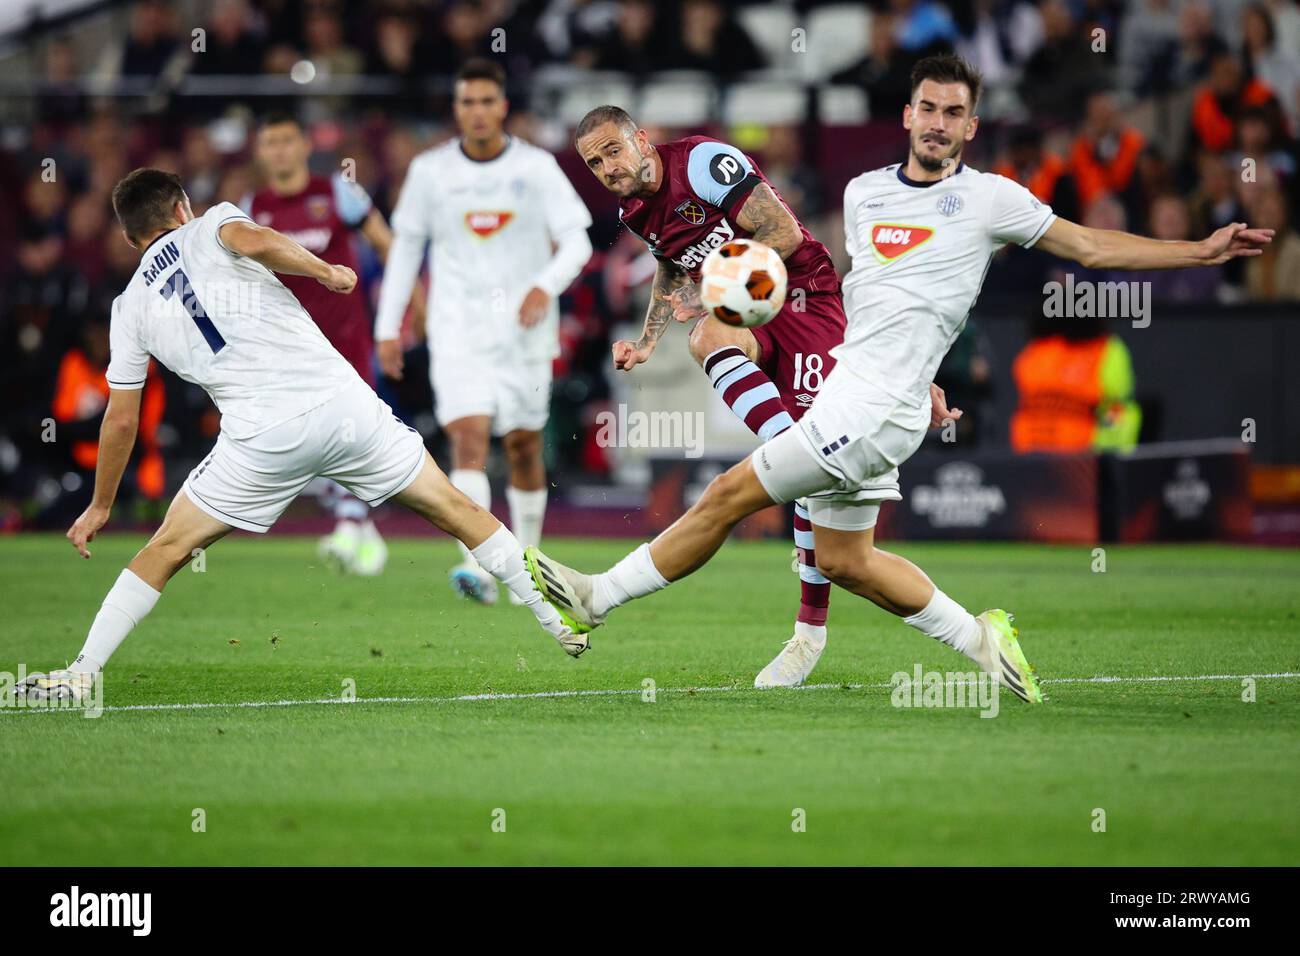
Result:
[[577, 99], [843, 105], [769, 26], [678, 99], [764, 102], [837, 38]]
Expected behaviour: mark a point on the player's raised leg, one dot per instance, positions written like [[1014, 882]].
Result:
[[585, 600], [184, 530], [844, 537], [470, 437], [851, 560], [490, 543]]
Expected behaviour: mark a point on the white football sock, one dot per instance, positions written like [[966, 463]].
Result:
[[527, 511], [125, 606], [473, 484], [947, 621], [502, 557], [633, 577]]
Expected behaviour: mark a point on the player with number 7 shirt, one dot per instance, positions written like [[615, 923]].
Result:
[[684, 199]]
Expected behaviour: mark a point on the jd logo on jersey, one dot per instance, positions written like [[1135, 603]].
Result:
[[484, 224], [891, 240]]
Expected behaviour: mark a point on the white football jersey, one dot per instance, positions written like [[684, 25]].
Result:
[[490, 225], [920, 253], [226, 323]]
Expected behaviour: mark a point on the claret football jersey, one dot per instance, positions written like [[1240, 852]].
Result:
[[705, 183]]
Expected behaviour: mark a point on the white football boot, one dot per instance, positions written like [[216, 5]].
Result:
[[60, 685], [371, 554], [338, 549], [473, 583], [1000, 654], [566, 590], [797, 659]]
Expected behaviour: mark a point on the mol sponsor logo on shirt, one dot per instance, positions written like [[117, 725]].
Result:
[[891, 240], [487, 222]]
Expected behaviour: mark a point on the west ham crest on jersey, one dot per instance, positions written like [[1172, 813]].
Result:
[[318, 207], [484, 224], [890, 240], [691, 211]]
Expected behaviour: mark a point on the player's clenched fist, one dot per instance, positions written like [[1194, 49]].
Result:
[[628, 355], [534, 307], [339, 279]]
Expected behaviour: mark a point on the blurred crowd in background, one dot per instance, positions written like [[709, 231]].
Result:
[[1166, 117]]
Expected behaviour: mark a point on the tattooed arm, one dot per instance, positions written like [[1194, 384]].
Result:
[[671, 293], [764, 215]]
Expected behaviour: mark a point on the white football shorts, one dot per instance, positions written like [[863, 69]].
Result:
[[354, 439], [843, 455], [514, 392]]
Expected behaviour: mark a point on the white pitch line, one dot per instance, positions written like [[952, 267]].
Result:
[[610, 692]]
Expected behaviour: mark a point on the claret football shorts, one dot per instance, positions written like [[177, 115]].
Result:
[[354, 438]]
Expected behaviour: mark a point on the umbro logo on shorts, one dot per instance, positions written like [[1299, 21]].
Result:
[[835, 445]]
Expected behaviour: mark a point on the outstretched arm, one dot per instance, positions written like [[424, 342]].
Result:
[[116, 439], [281, 254], [765, 216], [670, 284], [1110, 249]]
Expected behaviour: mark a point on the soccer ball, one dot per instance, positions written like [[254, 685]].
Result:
[[743, 283]]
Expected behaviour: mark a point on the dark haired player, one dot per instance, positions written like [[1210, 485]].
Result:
[[322, 214], [507, 234], [684, 199], [207, 303], [921, 234]]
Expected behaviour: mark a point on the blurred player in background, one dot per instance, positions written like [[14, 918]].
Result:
[[921, 235], [322, 213], [507, 235], [684, 199], [206, 302]]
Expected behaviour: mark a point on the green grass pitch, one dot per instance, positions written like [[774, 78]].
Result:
[[1185, 771]]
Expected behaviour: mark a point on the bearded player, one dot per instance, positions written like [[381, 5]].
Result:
[[322, 214], [684, 199], [507, 234], [921, 235]]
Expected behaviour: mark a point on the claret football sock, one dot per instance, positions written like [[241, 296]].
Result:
[[748, 392], [125, 606], [815, 588], [527, 512], [473, 484], [502, 557], [633, 577], [947, 621]]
